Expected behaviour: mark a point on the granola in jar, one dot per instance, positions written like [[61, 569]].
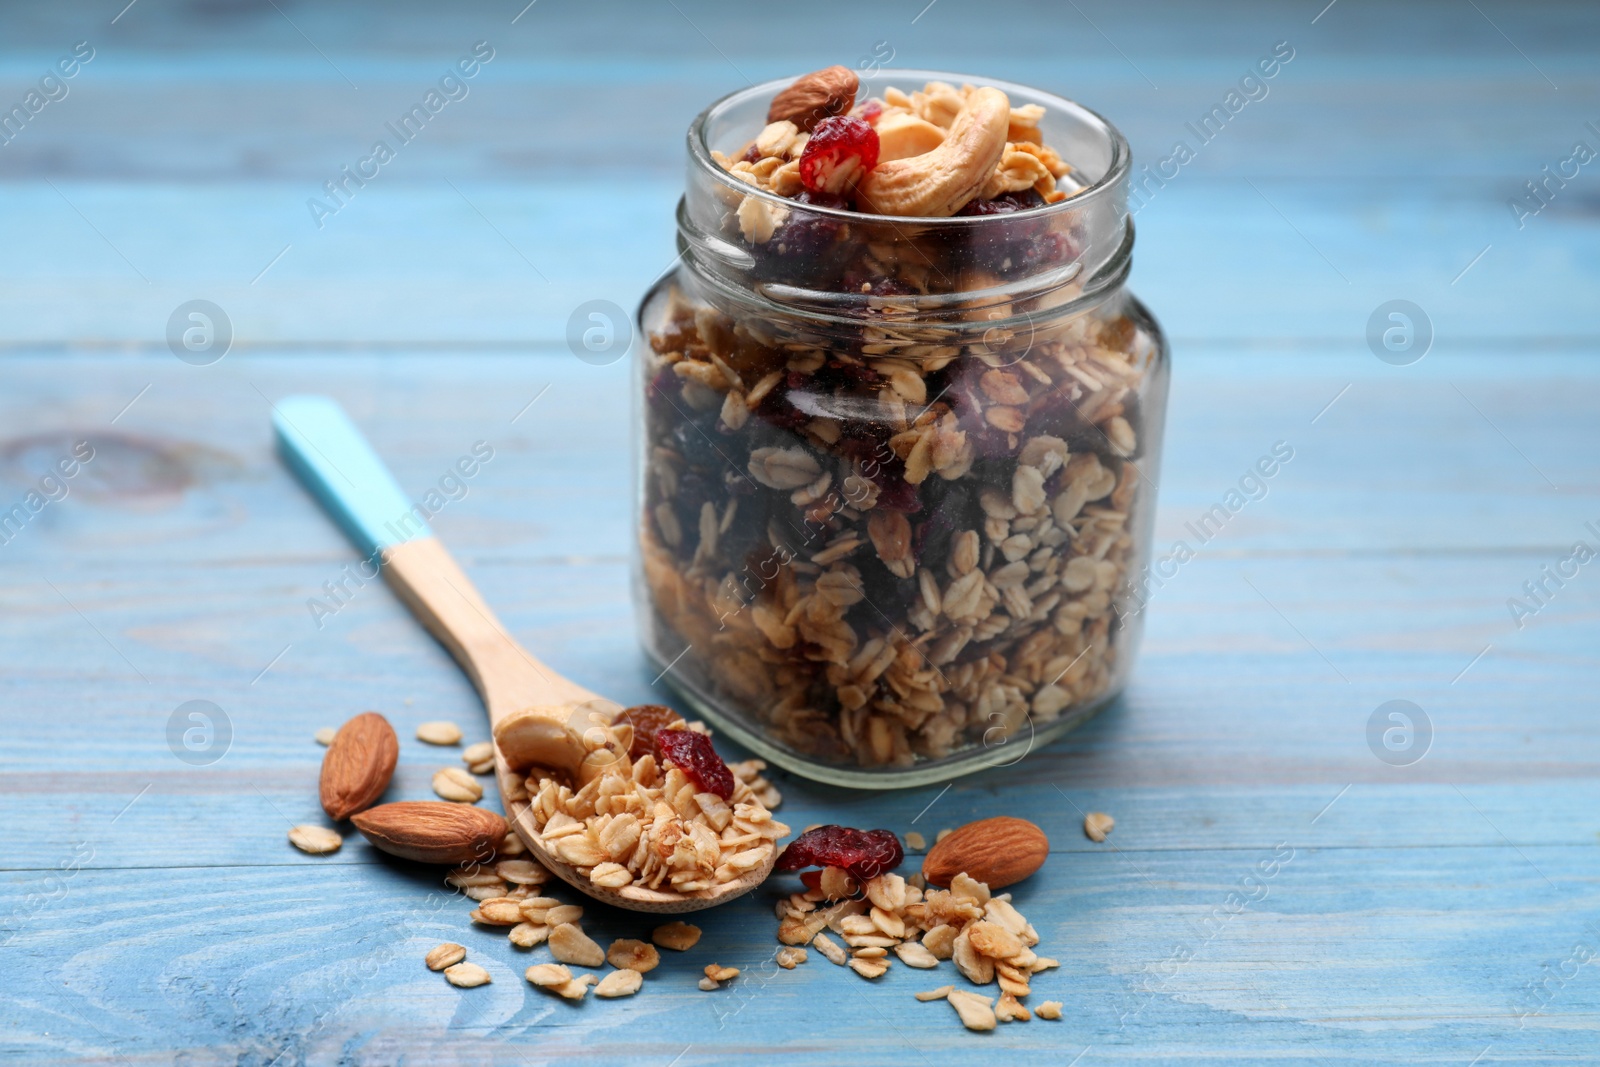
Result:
[[900, 425]]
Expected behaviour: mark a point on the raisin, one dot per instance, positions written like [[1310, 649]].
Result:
[[647, 720], [837, 143], [691, 753], [864, 853], [1004, 204], [752, 154]]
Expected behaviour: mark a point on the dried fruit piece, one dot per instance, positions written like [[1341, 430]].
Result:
[[864, 853], [432, 831], [439, 733], [647, 720], [815, 96], [840, 151], [997, 852], [619, 983], [316, 840], [691, 752], [358, 765], [1097, 824], [678, 936], [441, 956]]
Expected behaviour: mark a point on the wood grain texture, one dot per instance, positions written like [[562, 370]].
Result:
[[151, 910]]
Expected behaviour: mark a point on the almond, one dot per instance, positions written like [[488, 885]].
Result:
[[815, 96], [358, 765], [996, 852], [432, 831]]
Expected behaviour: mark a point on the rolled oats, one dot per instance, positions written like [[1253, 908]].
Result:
[[439, 733], [619, 983], [790, 957], [977, 1012], [325, 736], [1009, 1009], [317, 840], [498, 911], [676, 935], [830, 948], [455, 784], [1050, 1009], [628, 954], [441, 956], [479, 752], [528, 935], [935, 994], [466, 975], [569, 944], [1097, 824], [869, 968], [915, 954]]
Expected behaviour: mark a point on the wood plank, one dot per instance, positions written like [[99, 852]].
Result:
[[1328, 962]]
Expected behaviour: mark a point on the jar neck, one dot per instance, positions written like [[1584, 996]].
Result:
[[832, 269]]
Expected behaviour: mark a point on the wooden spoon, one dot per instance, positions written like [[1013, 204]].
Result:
[[335, 462]]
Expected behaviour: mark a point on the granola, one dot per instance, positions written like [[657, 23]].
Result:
[[889, 515], [641, 822]]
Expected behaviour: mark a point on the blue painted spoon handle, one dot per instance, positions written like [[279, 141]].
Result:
[[335, 462], [329, 454]]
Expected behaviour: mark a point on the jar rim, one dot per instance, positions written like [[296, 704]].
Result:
[[1117, 169]]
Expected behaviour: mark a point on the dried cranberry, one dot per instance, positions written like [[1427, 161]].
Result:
[[870, 111], [647, 720], [691, 753], [752, 154], [864, 853], [1004, 204], [837, 143]]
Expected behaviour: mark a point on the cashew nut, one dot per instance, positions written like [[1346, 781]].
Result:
[[902, 135], [938, 183]]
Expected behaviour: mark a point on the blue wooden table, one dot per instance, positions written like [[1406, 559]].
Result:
[[1441, 909]]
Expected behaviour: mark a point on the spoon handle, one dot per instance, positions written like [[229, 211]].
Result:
[[334, 461]]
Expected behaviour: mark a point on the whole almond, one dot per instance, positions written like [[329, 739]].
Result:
[[996, 852], [815, 96], [358, 765], [432, 831]]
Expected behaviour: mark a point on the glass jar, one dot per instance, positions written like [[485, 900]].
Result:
[[896, 475]]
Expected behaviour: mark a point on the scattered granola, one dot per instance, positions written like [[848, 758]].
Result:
[[316, 840], [676, 935], [619, 983], [479, 757], [790, 957], [915, 841], [1097, 824], [716, 974], [569, 944], [441, 956], [466, 975], [453, 783], [557, 979], [1050, 1009], [439, 733], [627, 954]]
